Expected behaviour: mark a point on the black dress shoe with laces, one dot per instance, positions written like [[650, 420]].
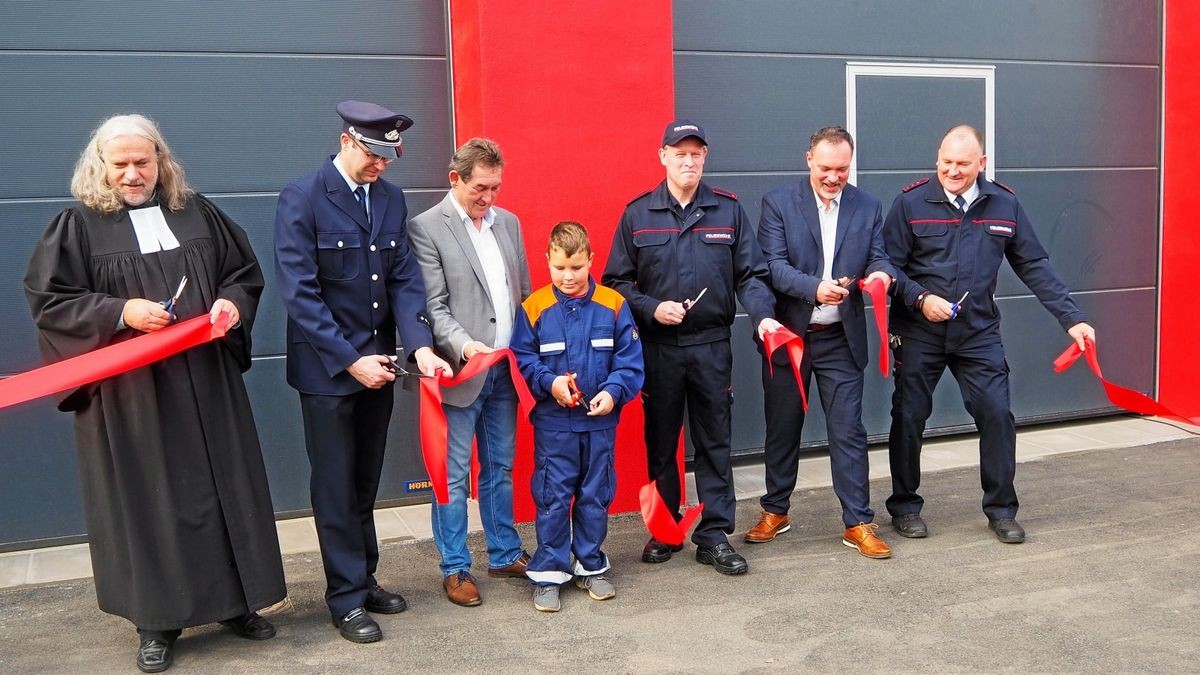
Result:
[[658, 552], [358, 626], [250, 626], [1008, 530], [723, 558], [154, 656], [383, 601], [910, 525]]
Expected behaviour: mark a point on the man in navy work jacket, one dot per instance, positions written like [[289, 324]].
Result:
[[947, 239], [349, 282], [680, 254], [819, 236]]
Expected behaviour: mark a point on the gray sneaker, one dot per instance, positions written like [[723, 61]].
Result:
[[545, 598], [598, 587]]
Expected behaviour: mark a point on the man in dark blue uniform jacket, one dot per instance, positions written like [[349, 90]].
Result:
[[680, 254], [349, 282], [819, 236], [947, 239]]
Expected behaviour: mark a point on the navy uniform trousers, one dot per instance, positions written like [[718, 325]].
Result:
[[698, 377], [840, 384], [982, 375], [573, 485], [346, 437]]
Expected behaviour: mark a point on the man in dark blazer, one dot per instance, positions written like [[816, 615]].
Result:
[[820, 236], [349, 282], [473, 258]]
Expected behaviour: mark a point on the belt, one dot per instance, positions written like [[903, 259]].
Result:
[[818, 327]]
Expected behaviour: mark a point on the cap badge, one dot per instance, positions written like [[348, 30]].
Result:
[[392, 135]]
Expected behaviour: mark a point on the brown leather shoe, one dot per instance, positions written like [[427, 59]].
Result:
[[461, 589], [769, 526], [862, 537], [514, 569]]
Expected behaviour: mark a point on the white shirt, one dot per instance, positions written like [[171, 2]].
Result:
[[488, 251], [337, 164], [827, 314], [970, 195]]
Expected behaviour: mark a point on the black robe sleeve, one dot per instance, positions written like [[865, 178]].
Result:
[[239, 278]]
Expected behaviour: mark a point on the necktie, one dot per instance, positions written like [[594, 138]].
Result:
[[962, 203], [360, 193]]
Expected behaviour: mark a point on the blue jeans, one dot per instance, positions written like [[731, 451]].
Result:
[[492, 421]]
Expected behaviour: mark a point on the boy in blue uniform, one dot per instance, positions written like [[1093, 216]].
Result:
[[577, 347]]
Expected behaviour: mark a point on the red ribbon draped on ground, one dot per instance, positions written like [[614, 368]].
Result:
[[874, 288], [1119, 396], [795, 349], [434, 435], [660, 520], [106, 362]]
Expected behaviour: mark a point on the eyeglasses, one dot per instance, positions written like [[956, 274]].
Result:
[[372, 157]]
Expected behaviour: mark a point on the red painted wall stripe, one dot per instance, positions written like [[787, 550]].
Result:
[[1178, 322], [577, 94]]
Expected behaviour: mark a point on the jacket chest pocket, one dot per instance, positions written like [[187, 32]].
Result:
[[602, 350], [338, 255], [552, 349], [653, 251]]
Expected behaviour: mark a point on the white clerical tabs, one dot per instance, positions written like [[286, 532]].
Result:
[[151, 229]]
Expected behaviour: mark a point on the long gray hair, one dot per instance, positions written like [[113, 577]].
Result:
[[90, 183]]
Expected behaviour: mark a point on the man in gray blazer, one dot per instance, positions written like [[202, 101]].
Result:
[[472, 257]]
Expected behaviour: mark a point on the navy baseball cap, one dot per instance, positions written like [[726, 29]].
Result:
[[681, 129], [374, 125]]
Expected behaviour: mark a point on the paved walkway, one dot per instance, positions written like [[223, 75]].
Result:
[[1106, 581]]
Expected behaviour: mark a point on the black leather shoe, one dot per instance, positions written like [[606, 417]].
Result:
[[154, 656], [910, 525], [1008, 530], [250, 626], [382, 601], [723, 558], [358, 626], [658, 552]]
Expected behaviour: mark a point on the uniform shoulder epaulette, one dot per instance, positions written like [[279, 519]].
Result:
[[640, 196], [725, 193], [915, 184], [1002, 185]]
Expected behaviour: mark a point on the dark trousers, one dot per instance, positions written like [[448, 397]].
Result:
[[345, 436], [698, 378], [840, 384], [982, 376]]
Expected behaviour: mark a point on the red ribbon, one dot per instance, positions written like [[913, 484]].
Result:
[[1119, 396], [660, 520], [795, 348], [106, 362], [874, 288], [434, 434]]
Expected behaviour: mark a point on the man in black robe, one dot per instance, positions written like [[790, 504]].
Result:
[[179, 517]]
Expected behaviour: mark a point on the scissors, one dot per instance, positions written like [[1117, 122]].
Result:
[[576, 395], [398, 370], [848, 281], [688, 304], [954, 307], [169, 305]]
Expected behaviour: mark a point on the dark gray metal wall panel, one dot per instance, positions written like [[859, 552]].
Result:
[[281, 432], [902, 119], [1051, 115], [265, 26], [39, 484], [1047, 115], [758, 111], [245, 94], [1113, 31], [238, 124]]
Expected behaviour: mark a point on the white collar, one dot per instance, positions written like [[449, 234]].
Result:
[[337, 164], [489, 218]]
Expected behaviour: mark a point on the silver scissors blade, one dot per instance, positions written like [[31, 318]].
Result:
[[692, 303], [964, 297], [179, 291]]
